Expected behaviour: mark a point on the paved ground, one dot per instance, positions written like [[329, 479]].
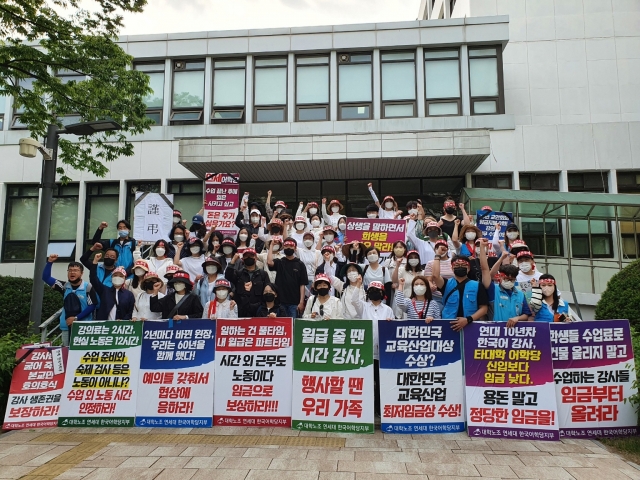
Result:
[[227, 453]]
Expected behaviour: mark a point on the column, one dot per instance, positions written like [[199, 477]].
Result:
[[82, 202], [249, 91], [420, 81], [122, 199], [333, 86], [464, 80], [208, 90], [291, 88], [377, 94], [166, 108]]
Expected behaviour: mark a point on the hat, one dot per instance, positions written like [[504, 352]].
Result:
[[197, 219], [388, 197], [442, 241], [290, 242], [413, 252], [248, 251], [277, 221], [321, 277], [312, 204], [180, 277], [432, 225], [151, 275], [280, 203], [284, 216], [142, 264], [177, 213], [524, 253], [255, 210], [518, 246], [327, 248], [171, 269], [334, 201], [228, 242], [309, 234], [329, 228], [120, 271], [221, 282], [196, 241], [372, 207], [300, 219], [377, 285], [211, 261], [512, 226]]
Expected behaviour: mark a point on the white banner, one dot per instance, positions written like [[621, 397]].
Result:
[[152, 216]]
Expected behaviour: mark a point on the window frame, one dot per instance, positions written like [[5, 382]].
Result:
[[573, 188], [414, 102], [532, 175], [285, 106], [87, 206], [131, 196], [500, 98], [15, 115], [303, 106], [342, 105], [18, 243], [457, 100], [228, 108], [199, 120], [493, 177], [58, 194], [156, 110]]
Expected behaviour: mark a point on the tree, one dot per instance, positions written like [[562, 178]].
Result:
[[621, 299], [40, 40]]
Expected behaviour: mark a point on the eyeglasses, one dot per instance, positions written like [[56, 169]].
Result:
[[74, 270], [321, 311]]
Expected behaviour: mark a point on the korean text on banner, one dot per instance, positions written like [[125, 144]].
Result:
[[509, 381], [175, 387], [152, 216], [333, 376], [222, 201], [36, 388], [593, 370], [253, 372], [486, 222], [421, 386], [101, 381], [376, 232]]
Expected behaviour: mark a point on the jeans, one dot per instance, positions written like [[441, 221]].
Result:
[[292, 310]]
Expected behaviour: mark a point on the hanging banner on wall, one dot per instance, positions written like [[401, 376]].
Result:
[[175, 387], [333, 376], [253, 367], [486, 222], [509, 381], [101, 380], [222, 196], [593, 372], [152, 216], [36, 388], [421, 384], [376, 232]]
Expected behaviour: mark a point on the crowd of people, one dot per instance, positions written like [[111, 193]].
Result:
[[300, 264]]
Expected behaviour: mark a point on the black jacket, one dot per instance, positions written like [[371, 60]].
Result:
[[248, 301], [264, 312], [124, 306], [253, 230], [190, 307]]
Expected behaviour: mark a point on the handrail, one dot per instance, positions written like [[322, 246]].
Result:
[[53, 317]]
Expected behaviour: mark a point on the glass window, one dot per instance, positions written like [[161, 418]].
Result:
[[398, 71], [354, 86], [312, 87], [539, 181], [270, 89], [442, 82], [228, 91], [101, 206], [155, 99], [3, 103], [133, 188], [485, 80], [492, 181], [187, 197], [597, 182], [188, 90]]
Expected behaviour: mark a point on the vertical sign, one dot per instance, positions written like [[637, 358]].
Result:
[[486, 222], [36, 388], [222, 196], [175, 386], [509, 381], [593, 370], [253, 372], [378, 232], [421, 385], [152, 216], [333, 376], [101, 381]]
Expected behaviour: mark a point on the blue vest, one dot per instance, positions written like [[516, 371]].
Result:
[[469, 302], [81, 293], [544, 315], [507, 306], [101, 273], [125, 253]]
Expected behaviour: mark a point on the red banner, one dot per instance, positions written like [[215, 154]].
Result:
[[223, 199]]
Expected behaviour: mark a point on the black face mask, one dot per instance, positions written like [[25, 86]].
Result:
[[375, 294], [269, 297], [460, 271], [450, 210], [289, 252], [109, 262], [250, 262], [323, 291]]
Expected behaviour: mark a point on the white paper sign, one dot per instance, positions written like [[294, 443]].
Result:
[[152, 216]]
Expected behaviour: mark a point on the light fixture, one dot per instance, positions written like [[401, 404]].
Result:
[[89, 128]]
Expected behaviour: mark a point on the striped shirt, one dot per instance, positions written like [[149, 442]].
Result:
[[415, 309]]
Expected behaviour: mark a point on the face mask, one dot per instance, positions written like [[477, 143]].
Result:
[[227, 250], [372, 258], [335, 209], [279, 209], [372, 215], [276, 248], [123, 233], [512, 235], [432, 234], [375, 294], [176, 219], [299, 226], [450, 210], [269, 297], [525, 267], [178, 238], [507, 284], [179, 286], [329, 258], [352, 276], [388, 205], [413, 211], [212, 269], [460, 271], [117, 281], [138, 272], [308, 243], [222, 294], [315, 223], [255, 220], [414, 262], [313, 211], [160, 252], [109, 262], [342, 226], [195, 250], [323, 291], [470, 236], [243, 237], [289, 252], [216, 243], [328, 238], [399, 252], [420, 289], [250, 262], [548, 291]]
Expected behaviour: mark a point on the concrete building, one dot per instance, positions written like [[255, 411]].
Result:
[[506, 96]]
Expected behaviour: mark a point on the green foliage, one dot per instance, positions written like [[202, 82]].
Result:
[[39, 38], [9, 343], [621, 299], [15, 301]]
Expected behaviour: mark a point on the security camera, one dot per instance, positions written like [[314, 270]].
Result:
[[29, 148]]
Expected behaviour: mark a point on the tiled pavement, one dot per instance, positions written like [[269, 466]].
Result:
[[228, 453]]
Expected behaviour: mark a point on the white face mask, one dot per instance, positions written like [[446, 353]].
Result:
[[507, 284], [276, 248], [138, 272], [525, 267], [328, 238], [413, 211], [352, 276], [388, 205], [179, 286], [176, 219], [342, 226], [512, 235], [222, 294], [227, 250], [308, 243], [117, 281], [195, 250], [548, 291], [178, 238], [212, 269], [216, 243], [313, 211], [243, 237], [372, 258], [414, 262], [470, 236], [255, 219], [300, 226], [160, 252], [372, 215], [315, 223], [420, 289], [335, 209]]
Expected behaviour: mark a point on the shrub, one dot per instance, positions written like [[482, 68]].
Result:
[[621, 299]]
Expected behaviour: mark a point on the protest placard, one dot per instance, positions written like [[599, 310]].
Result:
[[222, 198], [175, 387], [253, 372], [333, 376], [101, 380], [36, 388], [594, 374], [152, 216], [510, 391], [376, 232], [486, 222], [421, 385]]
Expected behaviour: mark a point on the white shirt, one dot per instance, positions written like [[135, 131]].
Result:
[[311, 259], [380, 274], [331, 309], [369, 311], [348, 308], [193, 266], [159, 266], [386, 214], [143, 307], [223, 309], [524, 282]]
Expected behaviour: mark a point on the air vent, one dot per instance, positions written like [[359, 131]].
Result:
[[179, 65], [345, 58]]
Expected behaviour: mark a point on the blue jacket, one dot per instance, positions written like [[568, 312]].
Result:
[[507, 305], [469, 302], [82, 292], [544, 315]]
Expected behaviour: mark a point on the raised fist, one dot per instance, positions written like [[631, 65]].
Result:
[[52, 258], [103, 225]]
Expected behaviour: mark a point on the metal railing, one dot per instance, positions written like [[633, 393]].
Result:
[[47, 330]]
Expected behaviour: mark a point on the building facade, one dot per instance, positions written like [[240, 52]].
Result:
[[523, 95]]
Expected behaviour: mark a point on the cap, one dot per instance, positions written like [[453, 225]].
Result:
[[335, 201], [177, 213], [171, 269], [432, 225], [221, 282], [413, 251], [308, 234], [255, 210], [142, 264], [321, 277], [150, 275], [512, 226], [280, 203], [524, 253], [248, 251], [327, 248], [312, 204], [181, 277], [377, 285], [329, 228], [197, 219], [211, 261], [300, 218], [388, 197], [343, 273], [276, 221], [120, 271]]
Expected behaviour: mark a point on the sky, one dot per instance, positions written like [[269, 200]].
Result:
[[171, 16]]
